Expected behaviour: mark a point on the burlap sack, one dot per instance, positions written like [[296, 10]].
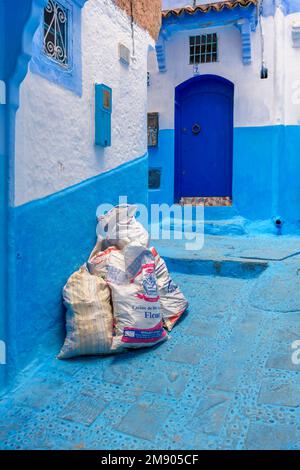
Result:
[[89, 318]]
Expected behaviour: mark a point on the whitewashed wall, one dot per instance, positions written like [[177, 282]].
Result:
[[291, 59], [257, 102], [55, 128]]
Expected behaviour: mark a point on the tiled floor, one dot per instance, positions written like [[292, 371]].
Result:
[[224, 380]]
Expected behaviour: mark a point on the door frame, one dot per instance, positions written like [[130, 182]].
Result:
[[179, 90]]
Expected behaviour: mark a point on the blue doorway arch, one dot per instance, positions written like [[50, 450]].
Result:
[[204, 137]]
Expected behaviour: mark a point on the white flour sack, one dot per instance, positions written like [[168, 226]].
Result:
[[120, 227], [172, 301], [98, 261], [89, 318], [131, 277]]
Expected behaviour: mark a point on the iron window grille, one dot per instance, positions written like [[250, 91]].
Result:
[[56, 18], [203, 48], [154, 178]]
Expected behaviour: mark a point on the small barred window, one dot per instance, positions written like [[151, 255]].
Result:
[[154, 178], [56, 18], [203, 48]]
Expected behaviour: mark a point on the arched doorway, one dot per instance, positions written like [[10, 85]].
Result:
[[204, 137]]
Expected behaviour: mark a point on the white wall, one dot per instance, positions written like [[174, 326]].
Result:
[[55, 128], [257, 102], [291, 58]]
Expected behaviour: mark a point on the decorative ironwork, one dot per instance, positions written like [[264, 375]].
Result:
[[56, 19], [203, 48]]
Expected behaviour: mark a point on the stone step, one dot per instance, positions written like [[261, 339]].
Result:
[[234, 267], [234, 226], [214, 221]]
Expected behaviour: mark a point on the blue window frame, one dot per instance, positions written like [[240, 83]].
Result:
[[56, 32], [56, 53]]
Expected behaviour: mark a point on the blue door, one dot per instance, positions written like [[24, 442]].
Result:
[[203, 137]]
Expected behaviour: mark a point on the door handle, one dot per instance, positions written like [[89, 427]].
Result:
[[196, 129]]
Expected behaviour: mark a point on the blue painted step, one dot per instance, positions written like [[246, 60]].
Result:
[[217, 221]]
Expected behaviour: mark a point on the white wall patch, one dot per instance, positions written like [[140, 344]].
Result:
[[124, 54], [296, 34]]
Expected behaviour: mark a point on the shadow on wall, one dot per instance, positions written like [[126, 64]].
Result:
[[16, 32], [54, 237]]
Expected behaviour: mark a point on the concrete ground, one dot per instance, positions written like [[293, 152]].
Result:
[[224, 380]]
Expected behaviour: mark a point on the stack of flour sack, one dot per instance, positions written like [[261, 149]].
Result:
[[123, 297]]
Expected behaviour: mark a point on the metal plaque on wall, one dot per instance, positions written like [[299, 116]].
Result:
[[153, 127]]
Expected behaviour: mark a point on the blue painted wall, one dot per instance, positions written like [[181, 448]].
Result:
[[266, 169], [254, 171], [162, 157], [3, 191], [287, 6], [289, 173], [54, 236], [266, 172], [200, 19], [14, 49]]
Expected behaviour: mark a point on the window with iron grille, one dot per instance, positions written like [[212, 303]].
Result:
[[56, 26], [203, 48], [154, 178], [56, 46]]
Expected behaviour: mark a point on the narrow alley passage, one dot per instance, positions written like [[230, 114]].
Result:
[[224, 380]]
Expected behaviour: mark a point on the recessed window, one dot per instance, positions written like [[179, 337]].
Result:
[[56, 26], [154, 178], [203, 48]]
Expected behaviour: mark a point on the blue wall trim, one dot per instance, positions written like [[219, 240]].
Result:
[[160, 49], [173, 24], [287, 6], [54, 236], [16, 33], [162, 157], [3, 192], [245, 31], [70, 77], [3, 231]]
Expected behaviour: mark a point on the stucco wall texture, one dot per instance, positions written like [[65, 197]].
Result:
[[146, 13], [257, 102], [55, 128]]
